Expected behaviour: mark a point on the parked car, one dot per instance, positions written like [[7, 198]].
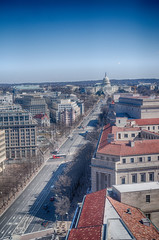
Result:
[[52, 199], [45, 207]]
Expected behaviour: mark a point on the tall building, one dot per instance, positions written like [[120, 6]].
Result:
[[2, 150], [20, 132]]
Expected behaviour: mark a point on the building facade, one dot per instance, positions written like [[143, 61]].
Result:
[[144, 196], [20, 132], [139, 107], [125, 155], [2, 149], [66, 111]]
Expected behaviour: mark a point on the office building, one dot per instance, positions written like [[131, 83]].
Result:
[[20, 132], [2, 149], [125, 155], [139, 107]]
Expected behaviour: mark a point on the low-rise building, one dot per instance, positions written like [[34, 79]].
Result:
[[102, 217], [139, 107], [141, 195], [125, 155]]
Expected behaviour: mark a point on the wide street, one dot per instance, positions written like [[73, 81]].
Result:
[[28, 213]]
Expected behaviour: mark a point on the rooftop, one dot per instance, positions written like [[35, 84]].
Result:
[[137, 187], [123, 148], [102, 217]]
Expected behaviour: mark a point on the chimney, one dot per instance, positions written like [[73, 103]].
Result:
[[128, 211], [131, 143]]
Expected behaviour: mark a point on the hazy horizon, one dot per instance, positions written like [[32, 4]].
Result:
[[48, 41]]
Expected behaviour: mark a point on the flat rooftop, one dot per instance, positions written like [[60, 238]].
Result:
[[135, 187]]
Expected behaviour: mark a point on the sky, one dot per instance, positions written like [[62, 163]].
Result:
[[56, 40]]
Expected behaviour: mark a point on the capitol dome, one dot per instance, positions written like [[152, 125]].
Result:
[[106, 80]]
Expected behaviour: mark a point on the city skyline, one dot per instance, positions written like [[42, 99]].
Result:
[[50, 41]]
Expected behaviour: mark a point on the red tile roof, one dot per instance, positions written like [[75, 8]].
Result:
[[88, 233], [124, 149], [114, 129], [132, 221], [149, 121], [93, 209]]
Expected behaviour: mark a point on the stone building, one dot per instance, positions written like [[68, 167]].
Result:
[[20, 132], [99, 216], [2, 150], [125, 155], [139, 107], [144, 196]]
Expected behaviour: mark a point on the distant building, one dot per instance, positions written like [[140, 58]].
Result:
[[144, 196], [34, 104], [2, 150], [6, 98], [32, 87], [99, 216], [20, 132], [42, 119], [138, 107], [66, 111]]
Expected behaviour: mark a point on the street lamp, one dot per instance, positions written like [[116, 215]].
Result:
[[67, 220]]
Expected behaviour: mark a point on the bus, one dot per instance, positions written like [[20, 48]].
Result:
[[59, 156]]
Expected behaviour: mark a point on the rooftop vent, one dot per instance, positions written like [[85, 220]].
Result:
[[128, 211], [145, 221]]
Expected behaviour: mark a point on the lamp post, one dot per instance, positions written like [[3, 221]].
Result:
[[67, 220]]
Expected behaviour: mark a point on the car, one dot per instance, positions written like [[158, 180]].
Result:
[[44, 224], [52, 199], [45, 207]]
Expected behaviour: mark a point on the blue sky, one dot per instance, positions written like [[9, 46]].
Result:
[[53, 40]]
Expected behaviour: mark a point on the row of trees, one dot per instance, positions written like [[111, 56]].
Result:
[[15, 176], [75, 177]]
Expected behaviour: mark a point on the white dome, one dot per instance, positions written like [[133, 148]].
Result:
[[106, 81]]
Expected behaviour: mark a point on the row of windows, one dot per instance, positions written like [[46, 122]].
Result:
[[140, 159], [125, 135], [16, 118], [142, 178]]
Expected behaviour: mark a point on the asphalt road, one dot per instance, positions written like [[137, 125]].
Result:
[[27, 213]]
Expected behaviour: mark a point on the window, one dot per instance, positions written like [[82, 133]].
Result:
[[148, 128], [134, 178], [149, 159], [124, 160], [119, 136], [132, 160], [133, 135], [151, 176], [123, 180], [126, 135], [158, 157], [143, 177], [148, 198], [153, 127], [140, 159]]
